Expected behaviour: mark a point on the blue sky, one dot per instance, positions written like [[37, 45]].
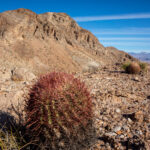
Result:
[[124, 24]]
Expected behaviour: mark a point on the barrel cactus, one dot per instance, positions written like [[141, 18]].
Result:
[[59, 111], [132, 68]]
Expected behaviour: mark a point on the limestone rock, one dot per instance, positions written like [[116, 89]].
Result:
[[22, 74]]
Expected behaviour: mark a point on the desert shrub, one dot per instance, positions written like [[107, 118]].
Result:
[[143, 66], [12, 140], [125, 65], [12, 133], [8, 141], [59, 112]]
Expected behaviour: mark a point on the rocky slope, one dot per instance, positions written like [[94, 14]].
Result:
[[32, 44], [49, 41], [121, 105], [122, 109]]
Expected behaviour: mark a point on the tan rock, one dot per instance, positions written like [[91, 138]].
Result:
[[139, 116], [22, 74]]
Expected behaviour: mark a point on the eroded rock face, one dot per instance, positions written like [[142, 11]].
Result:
[[44, 41], [59, 26]]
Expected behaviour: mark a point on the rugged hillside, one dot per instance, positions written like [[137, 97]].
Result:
[[32, 44], [50, 41]]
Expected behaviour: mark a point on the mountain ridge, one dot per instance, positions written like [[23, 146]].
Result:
[[51, 41], [143, 56]]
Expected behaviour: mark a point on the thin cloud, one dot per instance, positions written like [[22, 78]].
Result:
[[137, 50], [121, 31], [113, 17], [124, 39], [106, 43]]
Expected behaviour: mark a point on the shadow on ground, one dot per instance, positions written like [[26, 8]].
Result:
[[6, 120]]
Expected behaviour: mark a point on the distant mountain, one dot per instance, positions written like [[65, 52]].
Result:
[[143, 56]]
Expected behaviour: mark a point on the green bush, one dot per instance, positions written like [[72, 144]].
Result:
[[143, 66], [125, 65]]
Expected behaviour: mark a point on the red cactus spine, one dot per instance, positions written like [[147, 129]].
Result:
[[58, 104]]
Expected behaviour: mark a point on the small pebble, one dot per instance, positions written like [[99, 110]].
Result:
[[118, 110], [117, 128], [129, 120], [111, 134]]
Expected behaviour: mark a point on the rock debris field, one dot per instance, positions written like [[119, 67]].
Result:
[[122, 110], [121, 104]]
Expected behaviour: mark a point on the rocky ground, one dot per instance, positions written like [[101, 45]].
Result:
[[121, 104], [32, 44], [122, 109]]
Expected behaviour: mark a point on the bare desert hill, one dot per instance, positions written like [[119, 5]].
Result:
[[49, 41]]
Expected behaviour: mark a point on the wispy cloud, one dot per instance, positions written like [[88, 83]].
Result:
[[113, 17], [121, 31], [119, 43], [124, 39], [137, 50]]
